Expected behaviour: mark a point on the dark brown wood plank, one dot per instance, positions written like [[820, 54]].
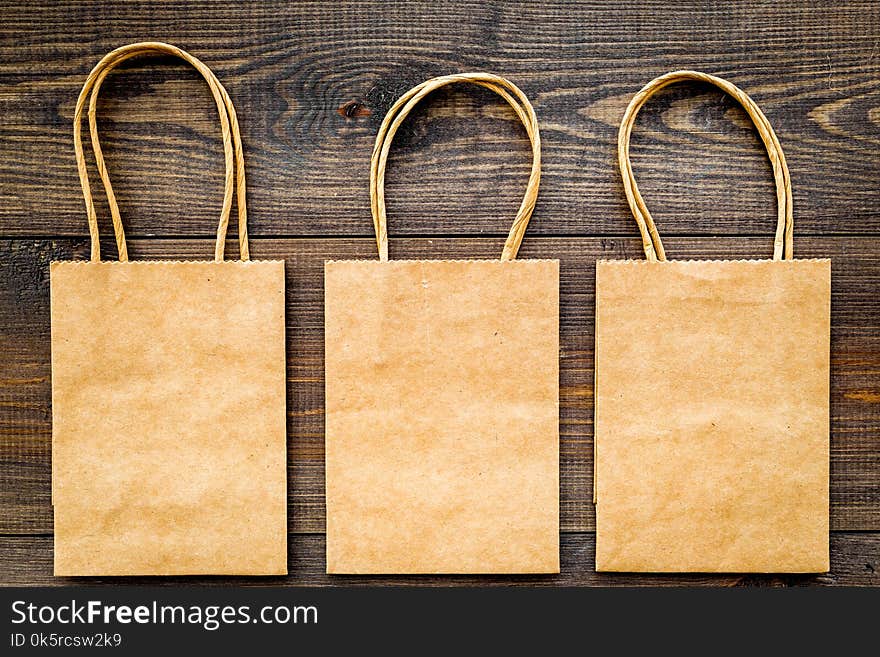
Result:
[[27, 560], [25, 413], [460, 163]]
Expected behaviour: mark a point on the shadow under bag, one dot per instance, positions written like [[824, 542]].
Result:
[[712, 389], [168, 393], [442, 397]]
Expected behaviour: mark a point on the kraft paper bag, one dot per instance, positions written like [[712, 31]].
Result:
[[712, 389], [168, 394], [442, 387]]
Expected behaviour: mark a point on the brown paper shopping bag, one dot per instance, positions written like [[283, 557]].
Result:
[[712, 388], [168, 393], [442, 397]]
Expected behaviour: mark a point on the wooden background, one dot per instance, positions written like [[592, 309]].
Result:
[[312, 81]]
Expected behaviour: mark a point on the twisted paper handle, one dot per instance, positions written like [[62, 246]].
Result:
[[234, 157], [398, 112], [782, 246]]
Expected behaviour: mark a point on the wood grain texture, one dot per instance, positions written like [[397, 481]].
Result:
[[312, 81], [27, 560], [25, 374]]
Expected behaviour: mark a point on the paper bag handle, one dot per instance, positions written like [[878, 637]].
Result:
[[782, 246], [234, 157], [398, 112]]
